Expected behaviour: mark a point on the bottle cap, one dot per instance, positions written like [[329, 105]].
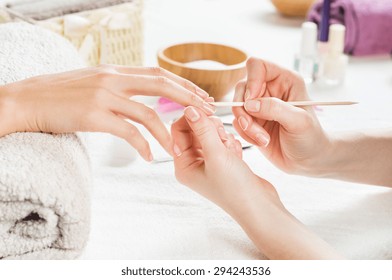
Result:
[[336, 38], [309, 38]]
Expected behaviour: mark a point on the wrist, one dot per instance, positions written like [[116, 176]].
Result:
[[324, 160], [276, 232], [256, 195], [335, 158]]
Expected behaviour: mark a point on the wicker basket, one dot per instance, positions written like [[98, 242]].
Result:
[[111, 35], [296, 8]]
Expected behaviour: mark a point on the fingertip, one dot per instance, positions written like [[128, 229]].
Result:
[[262, 139], [210, 99], [256, 76], [191, 114], [203, 130], [195, 100], [227, 144], [208, 108], [252, 106], [146, 152], [203, 94], [238, 148], [176, 150], [239, 91], [243, 122], [222, 133], [146, 156]]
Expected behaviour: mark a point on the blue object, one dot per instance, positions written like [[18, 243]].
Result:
[[324, 25]]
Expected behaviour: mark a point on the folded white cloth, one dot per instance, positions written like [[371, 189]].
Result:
[[44, 179]]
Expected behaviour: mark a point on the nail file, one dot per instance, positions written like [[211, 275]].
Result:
[[294, 103]]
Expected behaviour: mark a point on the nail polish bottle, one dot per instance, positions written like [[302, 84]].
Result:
[[306, 61], [335, 61]]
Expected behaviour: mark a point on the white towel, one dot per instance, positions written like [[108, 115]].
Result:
[[44, 9], [148, 215], [44, 179]]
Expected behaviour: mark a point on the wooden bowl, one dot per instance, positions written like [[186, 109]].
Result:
[[298, 8], [217, 80]]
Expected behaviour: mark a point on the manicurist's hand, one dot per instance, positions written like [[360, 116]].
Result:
[[96, 99], [290, 137], [208, 160]]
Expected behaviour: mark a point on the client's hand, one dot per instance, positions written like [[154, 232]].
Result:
[[208, 160], [288, 136], [96, 99]]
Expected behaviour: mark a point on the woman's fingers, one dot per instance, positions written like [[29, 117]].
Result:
[[245, 125], [188, 156], [238, 149], [110, 123], [220, 128], [293, 119], [182, 136], [161, 86], [227, 139], [239, 96], [148, 85], [259, 73], [205, 131], [243, 134], [187, 151], [144, 115], [233, 145], [253, 130], [157, 71]]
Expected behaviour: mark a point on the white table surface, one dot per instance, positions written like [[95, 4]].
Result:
[[140, 212]]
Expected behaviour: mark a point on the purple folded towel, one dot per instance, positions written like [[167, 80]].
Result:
[[368, 24]]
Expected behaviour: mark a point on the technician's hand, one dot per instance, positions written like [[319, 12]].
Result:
[[96, 99], [209, 161], [288, 136]]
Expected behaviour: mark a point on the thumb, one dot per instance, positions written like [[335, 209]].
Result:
[[292, 118], [204, 130]]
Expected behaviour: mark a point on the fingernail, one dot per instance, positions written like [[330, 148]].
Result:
[[201, 93], [252, 105], [238, 148], [209, 108], [150, 157], [222, 133], [247, 94], [210, 99], [177, 150], [192, 114], [243, 123], [262, 139]]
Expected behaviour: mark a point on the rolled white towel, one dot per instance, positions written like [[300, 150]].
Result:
[[44, 179]]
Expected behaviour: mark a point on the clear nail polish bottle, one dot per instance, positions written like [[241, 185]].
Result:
[[335, 62], [306, 61]]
